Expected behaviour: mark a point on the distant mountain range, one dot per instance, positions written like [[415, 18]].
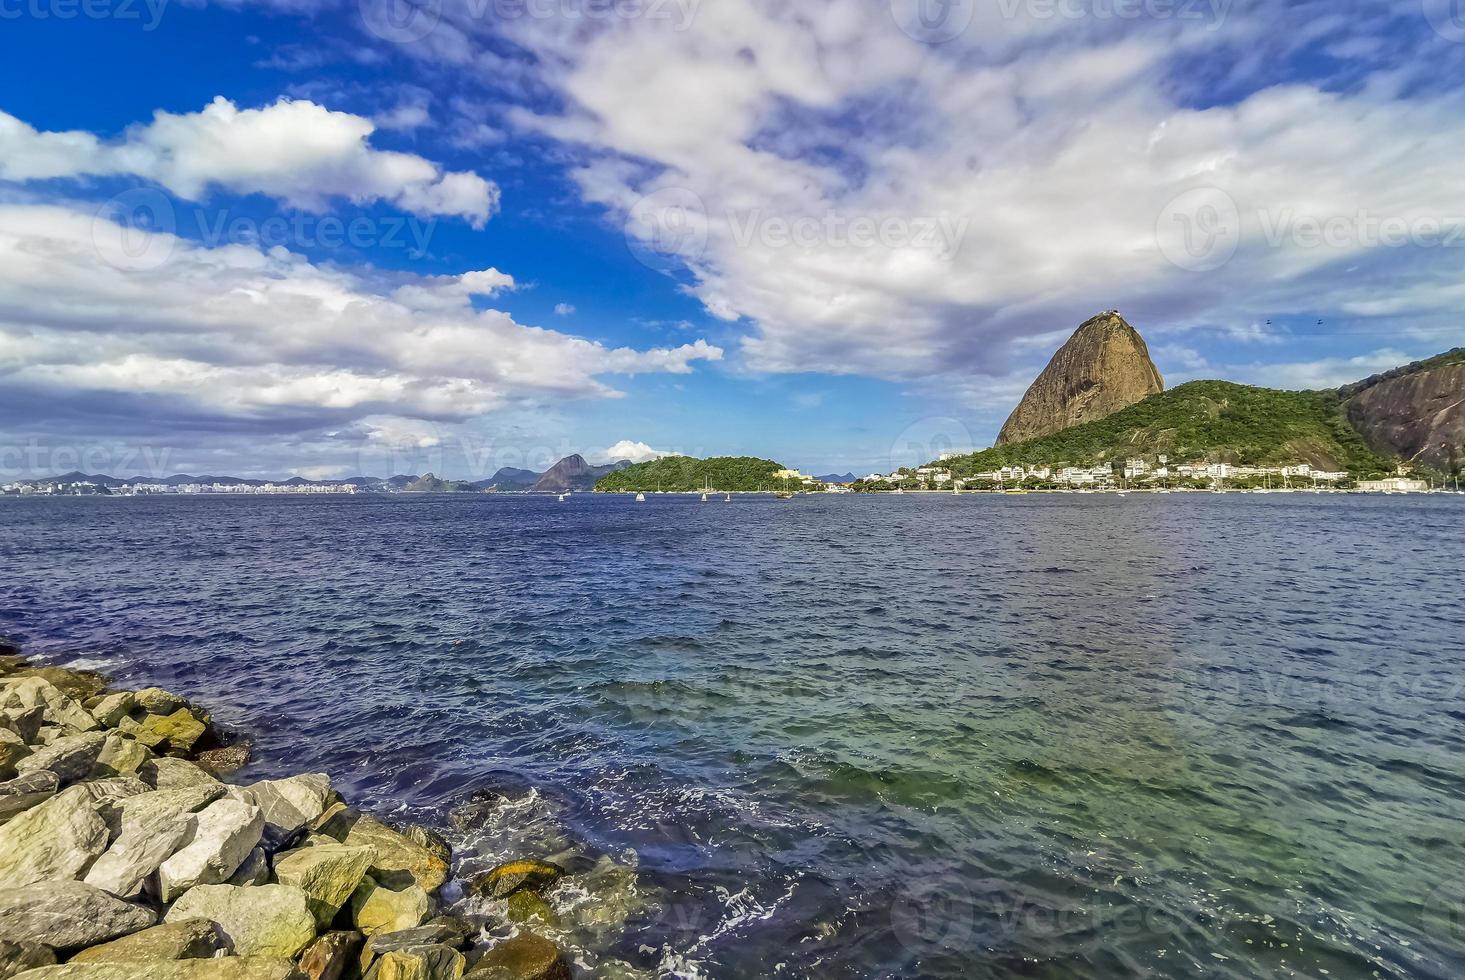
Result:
[[570, 473]]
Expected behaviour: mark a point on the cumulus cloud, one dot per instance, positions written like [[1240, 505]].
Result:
[[564, 309], [296, 151], [871, 204], [636, 452], [239, 337]]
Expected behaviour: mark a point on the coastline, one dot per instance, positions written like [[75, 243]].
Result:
[[126, 851]]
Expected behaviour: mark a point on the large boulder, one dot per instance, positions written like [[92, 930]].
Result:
[[224, 834], [225, 759], [254, 871], [25, 722], [58, 839], [188, 939], [376, 908], [67, 915], [20, 794], [166, 773], [227, 968], [331, 956], [152, 827], [113, 708], [394, 852], [121, 756], [288, 804], [267, 920], [156, 701], [327, 873], [418, 963], [71, 758], [442, 931], [524, 957]]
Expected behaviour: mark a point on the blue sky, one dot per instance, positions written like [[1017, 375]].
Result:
[[340, 236]]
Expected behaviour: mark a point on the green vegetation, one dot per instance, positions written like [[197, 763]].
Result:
[[1217, 421], [1455, 356], [686, 473]]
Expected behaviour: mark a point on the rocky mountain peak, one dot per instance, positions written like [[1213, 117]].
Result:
[[1104, 367]]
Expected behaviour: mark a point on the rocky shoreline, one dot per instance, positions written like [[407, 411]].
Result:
[[127, 854]]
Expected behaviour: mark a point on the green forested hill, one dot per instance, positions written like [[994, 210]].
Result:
[[674, 473], [1214, 420]]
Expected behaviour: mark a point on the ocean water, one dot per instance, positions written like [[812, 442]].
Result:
[[919, 736]]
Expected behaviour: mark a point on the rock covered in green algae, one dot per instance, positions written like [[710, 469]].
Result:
[[524, 957], [375, 908], [418, 963], [507, 878]]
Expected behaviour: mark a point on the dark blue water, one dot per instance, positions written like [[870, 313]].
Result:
[[1041, 736]]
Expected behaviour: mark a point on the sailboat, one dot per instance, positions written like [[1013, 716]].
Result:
[[563, 496], [727, 499], [640, 498]]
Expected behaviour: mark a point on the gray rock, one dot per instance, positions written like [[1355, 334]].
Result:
[[156, 701], [225, 759], [152, 827], [186, 939], [113, 708], [288, 804], [67, 915], [16, 958], [227, 968], [70, 758], [166, 773], [223, 835], [271, 920], [418, 963], [327, 873], [113, 789], [444, 932], [24, 792], [254, 871], [55, 840]]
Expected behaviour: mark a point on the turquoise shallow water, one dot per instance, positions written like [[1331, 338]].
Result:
[[1041, 736]]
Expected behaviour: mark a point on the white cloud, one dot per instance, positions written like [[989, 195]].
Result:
[[296, 151], [1040, 153], [564, 309], [636, 452], [1326, 372], [266, 338]]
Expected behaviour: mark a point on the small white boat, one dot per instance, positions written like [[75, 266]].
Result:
[[640, 498], [727, 499], [563, 496], [704, 498]]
